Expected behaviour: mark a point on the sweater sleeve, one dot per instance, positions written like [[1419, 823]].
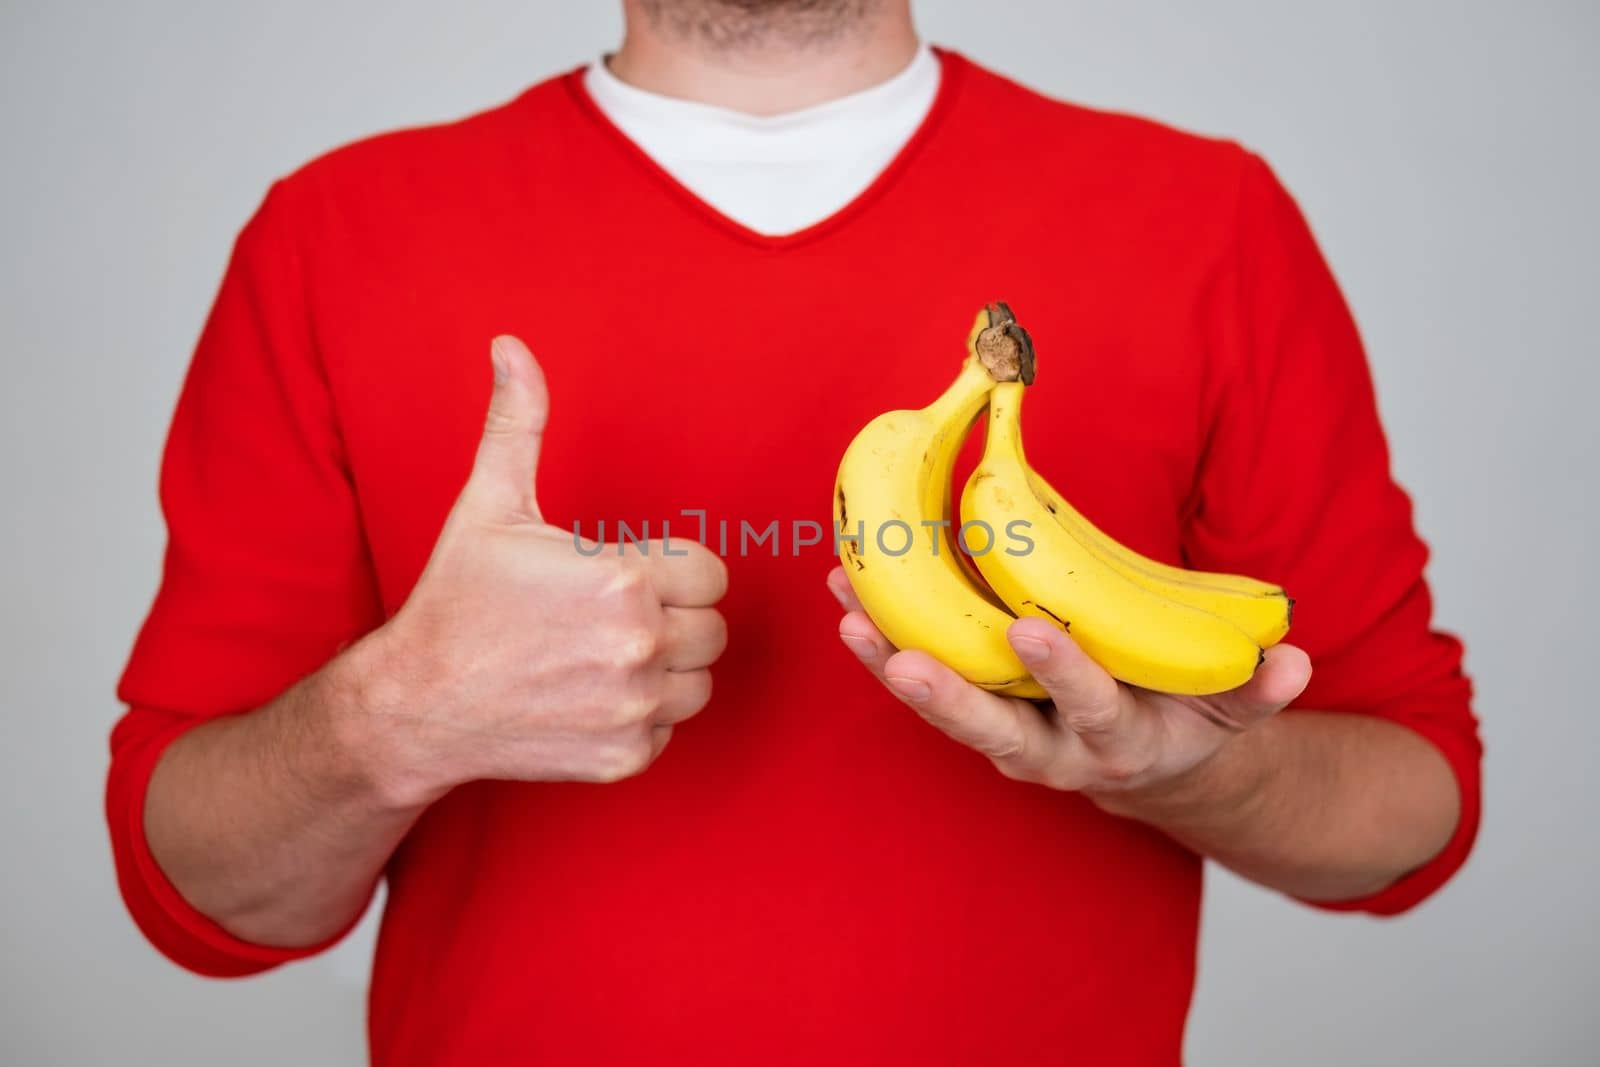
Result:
[[266, 574], [1295, 486]]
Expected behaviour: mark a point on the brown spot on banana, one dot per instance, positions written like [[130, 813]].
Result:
[[1063, 623]]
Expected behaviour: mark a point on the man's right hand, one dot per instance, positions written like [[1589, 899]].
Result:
[[519, 657]]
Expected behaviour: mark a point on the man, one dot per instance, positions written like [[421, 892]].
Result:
[[380, 651]]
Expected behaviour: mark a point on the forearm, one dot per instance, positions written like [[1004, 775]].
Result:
[[1321, 806], [272, 822]]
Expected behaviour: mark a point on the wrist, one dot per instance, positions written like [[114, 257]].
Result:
[[1223, 787], [370, 714]]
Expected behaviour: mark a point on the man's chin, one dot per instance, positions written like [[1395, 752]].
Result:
[[735, 23]]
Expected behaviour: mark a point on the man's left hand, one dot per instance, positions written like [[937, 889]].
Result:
[[1114, 742]]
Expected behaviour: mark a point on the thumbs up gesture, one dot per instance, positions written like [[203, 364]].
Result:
[[519, 657]]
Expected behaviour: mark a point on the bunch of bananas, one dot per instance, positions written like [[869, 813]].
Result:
[[1147, 623]]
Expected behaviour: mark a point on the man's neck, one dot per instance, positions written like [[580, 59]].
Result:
[[763, 68]]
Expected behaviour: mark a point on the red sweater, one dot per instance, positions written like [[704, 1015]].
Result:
[[810, 874]]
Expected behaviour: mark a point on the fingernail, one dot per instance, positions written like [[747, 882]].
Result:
[[843, 603], [1030, 649], [913, 690], [502, 370], [859, 645]]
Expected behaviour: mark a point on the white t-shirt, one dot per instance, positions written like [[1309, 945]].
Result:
[[780, 173]]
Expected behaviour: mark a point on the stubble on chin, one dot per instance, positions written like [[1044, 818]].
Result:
[[724, 25]]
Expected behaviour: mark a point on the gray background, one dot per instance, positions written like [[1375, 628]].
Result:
[[1445, 152]]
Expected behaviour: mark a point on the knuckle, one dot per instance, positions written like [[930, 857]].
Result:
[[601, 767], [638, 645], [635, 755], [1015, 771], [1061, 780], [626, 711], [1011, 749], [622, 760], [936, 717], [609, 773], [638, 705], [1121, 768], [501, 422], [622, 579], [1090, 718]]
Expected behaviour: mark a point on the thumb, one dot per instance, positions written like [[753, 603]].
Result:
[[501, 484], [1284, 673]]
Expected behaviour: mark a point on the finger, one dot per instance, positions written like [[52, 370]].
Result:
[[692, 576], [1282, 676], [866, 641], [839, 586], [1010, 732], [501, 485], [659, 736], [1078, 685], [683, 695], [692, 638], [1117, 732]]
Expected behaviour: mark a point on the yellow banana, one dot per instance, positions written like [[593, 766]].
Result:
[[1260, 609], [892, 493], [1139, 636]]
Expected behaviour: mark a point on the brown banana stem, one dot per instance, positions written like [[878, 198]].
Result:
[[1004, 348]]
